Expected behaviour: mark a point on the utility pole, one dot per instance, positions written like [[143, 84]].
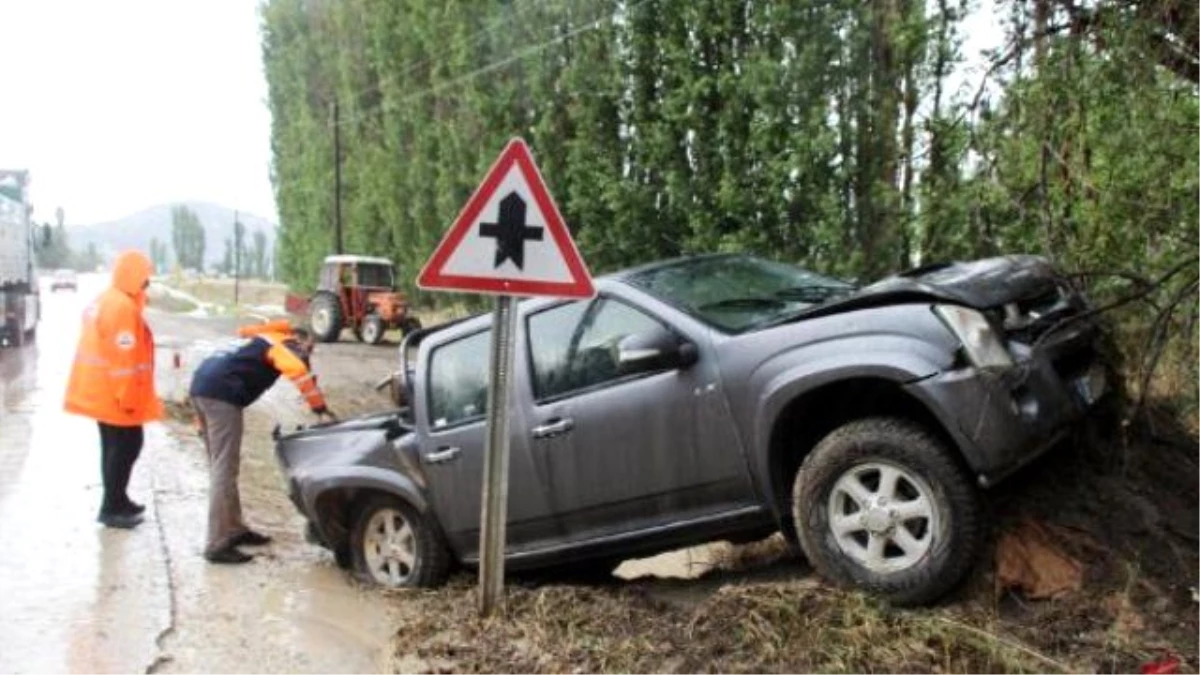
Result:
[[337, 176]]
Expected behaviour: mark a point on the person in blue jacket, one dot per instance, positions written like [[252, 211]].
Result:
[[222, 387]]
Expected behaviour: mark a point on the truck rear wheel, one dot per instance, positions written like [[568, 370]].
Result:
[[325, 317], [882, 504], [410, 324], [393, 545]]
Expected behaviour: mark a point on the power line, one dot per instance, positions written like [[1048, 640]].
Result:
[[474, 41], [496, 65]]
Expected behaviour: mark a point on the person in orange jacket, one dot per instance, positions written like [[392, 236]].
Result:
[[112, 382], [222, 387]]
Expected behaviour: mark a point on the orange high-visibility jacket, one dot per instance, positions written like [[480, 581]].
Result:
[[112, 379], [283, 360]]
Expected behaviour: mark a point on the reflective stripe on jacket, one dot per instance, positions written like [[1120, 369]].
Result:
[[240, 376], [112, 378]]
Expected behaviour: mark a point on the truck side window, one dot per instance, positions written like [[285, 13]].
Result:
[[573, 350], [458, 377]]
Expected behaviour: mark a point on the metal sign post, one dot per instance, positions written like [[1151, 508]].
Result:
[[494, 515], [509, 240]]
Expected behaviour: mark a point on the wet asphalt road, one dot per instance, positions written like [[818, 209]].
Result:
[[73, 596], [77, 597]]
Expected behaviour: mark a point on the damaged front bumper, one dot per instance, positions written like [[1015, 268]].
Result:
[[1003, 418]]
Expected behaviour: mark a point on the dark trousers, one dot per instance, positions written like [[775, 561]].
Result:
[[221, 423], [119, 449]]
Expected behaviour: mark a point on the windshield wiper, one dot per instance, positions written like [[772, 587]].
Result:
[[743, 303], [813, 293]]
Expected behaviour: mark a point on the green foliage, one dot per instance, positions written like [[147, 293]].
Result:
[[52, 250], [627, 106], [187, 238], [158, 254], [833, 133], [257, 256]]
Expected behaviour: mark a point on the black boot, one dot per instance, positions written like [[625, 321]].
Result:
[[230, 555], [130, 507], [120, 520]]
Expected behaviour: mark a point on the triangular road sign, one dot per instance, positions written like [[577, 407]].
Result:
[[509, 239]]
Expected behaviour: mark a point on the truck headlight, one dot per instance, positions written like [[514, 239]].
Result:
[[983, 346]]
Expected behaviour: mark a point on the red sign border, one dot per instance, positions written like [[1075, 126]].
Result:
[[432, 277]]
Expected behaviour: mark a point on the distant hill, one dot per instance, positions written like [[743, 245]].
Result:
[[136, 230]]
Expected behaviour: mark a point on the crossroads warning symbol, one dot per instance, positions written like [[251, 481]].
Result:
[[509, 239]]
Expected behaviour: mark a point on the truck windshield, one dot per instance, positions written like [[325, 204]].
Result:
[[738, 293]]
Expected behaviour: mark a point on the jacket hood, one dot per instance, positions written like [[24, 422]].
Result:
[[277, 327], [130, 273]]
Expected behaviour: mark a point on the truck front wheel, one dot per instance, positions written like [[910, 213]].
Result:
[[882, 504]]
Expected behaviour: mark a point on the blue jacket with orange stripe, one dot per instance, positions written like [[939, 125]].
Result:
[[240, 376]]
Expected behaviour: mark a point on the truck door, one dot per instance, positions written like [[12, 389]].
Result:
[[623, 451]]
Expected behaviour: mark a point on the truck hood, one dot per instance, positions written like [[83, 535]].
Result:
[[980, 284]]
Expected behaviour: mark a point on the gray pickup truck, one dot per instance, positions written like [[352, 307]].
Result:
[[718, 397]]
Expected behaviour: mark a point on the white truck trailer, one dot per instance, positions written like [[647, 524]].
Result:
[[19, 307]]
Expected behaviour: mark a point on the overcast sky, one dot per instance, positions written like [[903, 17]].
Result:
[[118, 105]]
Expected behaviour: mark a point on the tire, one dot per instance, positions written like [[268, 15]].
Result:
[[325, 317], [852, 467], [410, 324], [371, 331], [419, 557]]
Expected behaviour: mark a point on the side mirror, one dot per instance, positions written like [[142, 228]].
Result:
[[652, 350]]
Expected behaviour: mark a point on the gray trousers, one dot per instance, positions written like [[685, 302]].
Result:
[[221, 426]]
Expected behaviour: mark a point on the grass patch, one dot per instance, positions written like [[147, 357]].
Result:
[[170, 303], [250, 292], [793, 626]]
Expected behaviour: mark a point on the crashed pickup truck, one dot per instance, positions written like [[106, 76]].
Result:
[[718, 397]]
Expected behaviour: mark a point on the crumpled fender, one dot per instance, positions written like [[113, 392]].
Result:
[[321, 480], [893, 357]]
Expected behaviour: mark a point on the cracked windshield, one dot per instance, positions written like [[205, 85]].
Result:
[[620, 336]]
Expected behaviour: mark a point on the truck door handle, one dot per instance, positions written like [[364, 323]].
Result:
[[444, 454], [555, 427]]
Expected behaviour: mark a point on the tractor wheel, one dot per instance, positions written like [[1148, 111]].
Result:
[[409, 324], [371, 331], [325, 317]]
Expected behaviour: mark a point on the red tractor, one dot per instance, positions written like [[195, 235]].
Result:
[[356, 292]]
